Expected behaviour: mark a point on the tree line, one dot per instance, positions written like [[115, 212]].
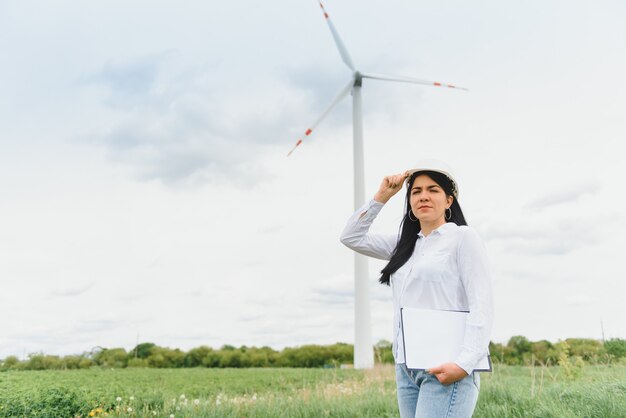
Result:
[[517, 351]]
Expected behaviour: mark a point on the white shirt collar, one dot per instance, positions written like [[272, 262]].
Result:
[[441, 229]]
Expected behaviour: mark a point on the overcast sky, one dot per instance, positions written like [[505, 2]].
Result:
[[145, 192]]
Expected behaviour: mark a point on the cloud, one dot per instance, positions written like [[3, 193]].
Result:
[[322, 84], [271, 229], [543, 234], [128, 82], [580, 300], [72, 291], [339, 291], [96, 325], [531, 272], [541, 246], [333, 297], [200, 125], [546, 243], [46, 337], [565, 194]]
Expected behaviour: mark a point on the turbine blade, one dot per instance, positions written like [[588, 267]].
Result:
[[340, 46], [343, 93], [410, 80]]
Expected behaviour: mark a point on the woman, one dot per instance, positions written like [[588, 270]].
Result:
[[437, 262]]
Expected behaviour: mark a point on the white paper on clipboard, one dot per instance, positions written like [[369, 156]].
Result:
[[433, 337]]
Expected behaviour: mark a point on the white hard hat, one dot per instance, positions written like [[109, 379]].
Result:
[[437, 166]]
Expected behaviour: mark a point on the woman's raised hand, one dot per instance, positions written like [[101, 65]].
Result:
[[390, 186]]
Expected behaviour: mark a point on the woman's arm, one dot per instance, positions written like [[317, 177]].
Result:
[[356, 233], [476, 278]]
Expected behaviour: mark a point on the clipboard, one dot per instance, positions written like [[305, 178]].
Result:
[[432, 337]]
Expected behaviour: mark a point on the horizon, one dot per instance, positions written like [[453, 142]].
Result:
[[278, 349]]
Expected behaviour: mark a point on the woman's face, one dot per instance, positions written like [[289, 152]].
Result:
[[428, 200]]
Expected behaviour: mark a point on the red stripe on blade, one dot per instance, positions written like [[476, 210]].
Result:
[[437, 84], [299, 142], [308, 132]]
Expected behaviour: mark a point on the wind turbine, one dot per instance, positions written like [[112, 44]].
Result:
[[363, 349]]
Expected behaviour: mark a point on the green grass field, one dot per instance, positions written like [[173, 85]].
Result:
[[599, 391]]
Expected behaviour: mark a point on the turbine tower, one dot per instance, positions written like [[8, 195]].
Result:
[[363, 348]]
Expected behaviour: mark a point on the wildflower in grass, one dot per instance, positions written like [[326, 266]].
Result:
[[129, 409], [196, 402], [132, 398], [182, 396], [118, 399], [96, 412], [154, 413], [171, 415]]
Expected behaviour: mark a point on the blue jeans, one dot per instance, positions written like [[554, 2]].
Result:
[[420, 395]]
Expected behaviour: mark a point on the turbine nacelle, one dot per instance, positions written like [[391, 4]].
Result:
[[358, 79]]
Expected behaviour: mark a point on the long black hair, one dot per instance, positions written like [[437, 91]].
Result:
[[410, 229]]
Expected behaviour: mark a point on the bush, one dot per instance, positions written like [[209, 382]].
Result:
[[142, 350], [196, 356], [616, 348], [586, 348], [113, 357], [9, 363]]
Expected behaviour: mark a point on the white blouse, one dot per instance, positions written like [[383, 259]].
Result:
[[448, 270]]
